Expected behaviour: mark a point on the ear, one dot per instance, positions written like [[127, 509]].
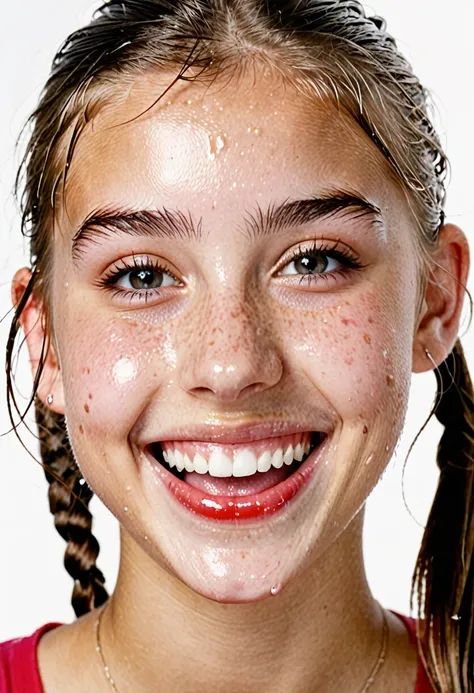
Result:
[[33, 322], [440, 315]]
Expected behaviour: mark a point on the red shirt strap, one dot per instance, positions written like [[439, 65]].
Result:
[[19, 670], [423, 684]]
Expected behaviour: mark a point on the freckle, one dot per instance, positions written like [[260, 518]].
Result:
[[81, 428], [88, 370], [367, 338], [365, 430], [389, 380], [371, 321], [90, 395], [212, 343], [86, 408]]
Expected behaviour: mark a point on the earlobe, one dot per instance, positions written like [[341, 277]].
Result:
[[41, 350], [438, 323]]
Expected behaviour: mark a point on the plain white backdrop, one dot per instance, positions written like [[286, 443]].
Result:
[[34, 586]]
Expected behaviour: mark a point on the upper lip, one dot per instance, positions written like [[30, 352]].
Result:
[[217, 432]]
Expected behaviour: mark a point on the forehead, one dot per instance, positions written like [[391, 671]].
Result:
[[255, 140]]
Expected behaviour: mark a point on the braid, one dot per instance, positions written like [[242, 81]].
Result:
[[69, 498], [444, 573]]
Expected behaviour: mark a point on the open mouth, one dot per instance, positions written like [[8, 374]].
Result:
[[237, 482], [237, 463]]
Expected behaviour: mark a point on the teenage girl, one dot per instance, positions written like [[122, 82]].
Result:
[[239, 257]]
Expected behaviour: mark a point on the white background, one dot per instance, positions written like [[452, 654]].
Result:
[[34, 586]]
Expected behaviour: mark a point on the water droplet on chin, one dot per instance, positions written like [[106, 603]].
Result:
[[275, 589]]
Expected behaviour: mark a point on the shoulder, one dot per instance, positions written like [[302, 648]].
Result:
[[18, 663], [423, 684]]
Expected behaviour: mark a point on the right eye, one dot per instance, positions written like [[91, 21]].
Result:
[[144, 279], [140, 277]]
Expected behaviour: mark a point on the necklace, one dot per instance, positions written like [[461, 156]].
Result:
[[367, 684]]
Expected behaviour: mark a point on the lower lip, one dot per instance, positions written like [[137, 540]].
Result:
[[239, 508]]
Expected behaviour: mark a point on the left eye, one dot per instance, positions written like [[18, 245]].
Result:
[[310, 263], [144, 278]]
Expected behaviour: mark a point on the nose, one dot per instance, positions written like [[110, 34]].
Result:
[[232, 354]]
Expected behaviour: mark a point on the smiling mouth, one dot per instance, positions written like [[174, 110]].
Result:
[[237, 469]]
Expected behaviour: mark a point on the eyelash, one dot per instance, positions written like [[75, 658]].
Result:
[[121, 268], [342, 255]]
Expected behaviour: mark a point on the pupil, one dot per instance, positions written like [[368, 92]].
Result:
[[146, 279], [310, 264]]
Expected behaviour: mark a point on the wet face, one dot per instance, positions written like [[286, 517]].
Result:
[[235, 273]]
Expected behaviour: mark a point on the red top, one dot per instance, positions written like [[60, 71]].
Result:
[[19, 667]]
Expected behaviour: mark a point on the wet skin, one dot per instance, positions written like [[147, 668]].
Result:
[[236, 335]]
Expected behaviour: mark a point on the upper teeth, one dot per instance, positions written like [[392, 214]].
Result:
[[245, 462]]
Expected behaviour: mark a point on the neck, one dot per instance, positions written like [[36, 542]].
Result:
[[321, 632]]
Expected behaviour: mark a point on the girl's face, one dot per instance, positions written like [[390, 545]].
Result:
[[209, 309]]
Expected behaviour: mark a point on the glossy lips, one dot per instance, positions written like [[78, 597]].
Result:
[[245, 507]]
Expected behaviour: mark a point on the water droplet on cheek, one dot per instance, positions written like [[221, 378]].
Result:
[[124, 370], [276, 589]]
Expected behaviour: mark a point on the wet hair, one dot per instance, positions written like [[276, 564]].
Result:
[[325, 48]]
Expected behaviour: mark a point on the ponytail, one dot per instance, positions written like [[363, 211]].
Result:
[[444, 575], [69, 497]]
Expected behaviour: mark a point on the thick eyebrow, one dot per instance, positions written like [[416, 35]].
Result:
[[177, 225]]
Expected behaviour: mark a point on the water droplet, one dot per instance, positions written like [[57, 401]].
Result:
[[215, 147], [387, 448], [369, 459], [146, 537], [189, 102], [129, 488], [385, 353], [126, 509], [275, 589], [82, 482]]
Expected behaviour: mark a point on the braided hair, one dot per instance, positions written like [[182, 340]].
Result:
[[326, 47], [69, 496]]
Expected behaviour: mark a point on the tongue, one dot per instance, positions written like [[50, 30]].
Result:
[[237, 486]]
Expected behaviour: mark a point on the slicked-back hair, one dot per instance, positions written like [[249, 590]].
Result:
[[326, 48]]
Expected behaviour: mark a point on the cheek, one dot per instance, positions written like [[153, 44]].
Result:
[[109, 374], [358, 354]]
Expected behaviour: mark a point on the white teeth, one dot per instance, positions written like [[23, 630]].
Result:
[[264, 461], [200, 464], [219, 464], [245, 463], [299, 452], [277, 459], [179, 460], [188, 465], [288, 456]]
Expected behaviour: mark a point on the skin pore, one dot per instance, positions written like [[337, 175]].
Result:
[[236, 337]]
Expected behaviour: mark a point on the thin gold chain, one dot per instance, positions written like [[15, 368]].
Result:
[[367, 684]]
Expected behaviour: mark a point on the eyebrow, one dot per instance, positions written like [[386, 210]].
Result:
[[176, 225]]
